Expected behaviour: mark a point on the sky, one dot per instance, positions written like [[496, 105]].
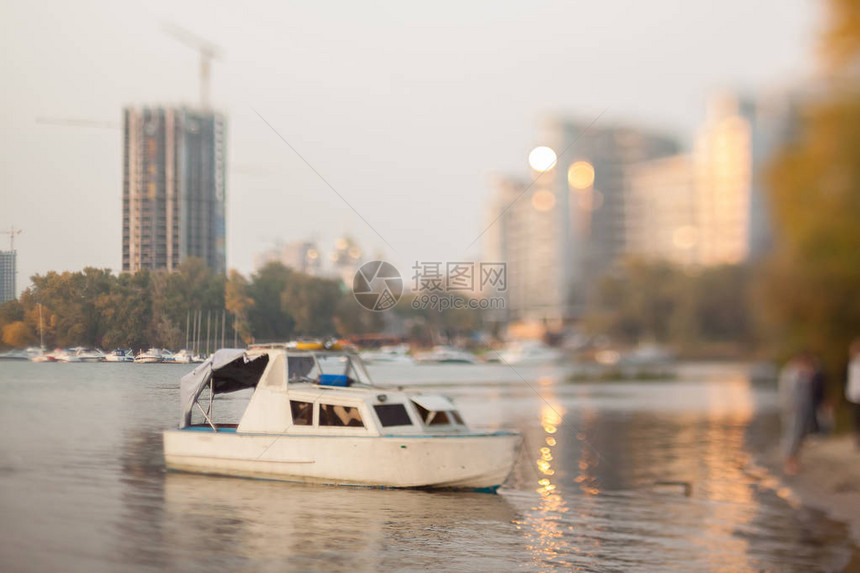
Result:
[[405, 109]]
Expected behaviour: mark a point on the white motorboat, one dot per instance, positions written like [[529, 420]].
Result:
[[90, 355], [183, 357], [315, 416], [120, 355], [398, 354], [66, 355], [447, 355], [529, 353], [15, 355], [151, 356]]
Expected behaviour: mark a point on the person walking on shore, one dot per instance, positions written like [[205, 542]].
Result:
[[796, 401], [852, 388]]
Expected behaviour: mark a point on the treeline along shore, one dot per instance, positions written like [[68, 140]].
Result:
[[97, 308]]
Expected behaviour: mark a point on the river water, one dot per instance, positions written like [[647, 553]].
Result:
[[651, 476]]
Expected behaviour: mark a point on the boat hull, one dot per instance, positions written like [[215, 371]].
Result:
[[477, 461]]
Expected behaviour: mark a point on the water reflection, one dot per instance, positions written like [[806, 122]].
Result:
[[276, 525], [597, 502]]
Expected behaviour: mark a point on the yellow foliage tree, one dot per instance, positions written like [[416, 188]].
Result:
[[18, 334], [808, 293]]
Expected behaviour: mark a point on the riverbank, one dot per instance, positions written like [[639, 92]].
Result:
[[829, 478]]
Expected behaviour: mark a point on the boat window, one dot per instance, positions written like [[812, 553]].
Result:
[[357, 371], [302, 368], [432, 418], [343, 364], [332, 415], [333, 364], [392, 415], [303, 413]]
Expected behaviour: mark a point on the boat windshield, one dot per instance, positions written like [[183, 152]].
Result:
[[308, 368]]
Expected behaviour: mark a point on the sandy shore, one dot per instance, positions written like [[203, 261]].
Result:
[[829, 478]]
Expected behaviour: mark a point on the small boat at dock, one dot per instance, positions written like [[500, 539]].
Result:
[[151, 356], [120, 355]]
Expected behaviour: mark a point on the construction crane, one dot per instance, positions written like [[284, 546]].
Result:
[[208, 52], [12, 234], [78, 122]]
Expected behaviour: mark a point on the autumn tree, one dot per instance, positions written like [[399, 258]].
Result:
[[239, 304], [18, 334], [807, 295]]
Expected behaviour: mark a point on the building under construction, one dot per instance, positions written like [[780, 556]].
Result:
[[174, 188], [7, 275]]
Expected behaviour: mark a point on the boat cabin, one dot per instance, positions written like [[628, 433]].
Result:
[[306, 391]]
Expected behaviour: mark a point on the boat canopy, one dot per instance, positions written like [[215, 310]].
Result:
[[228, 370]]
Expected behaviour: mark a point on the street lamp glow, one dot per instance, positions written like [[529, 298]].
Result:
[[580, 175], [542, 158]]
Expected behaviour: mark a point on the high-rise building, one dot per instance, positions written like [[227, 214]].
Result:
[[723, 160], [662, 215], [710, 207], [8, 274], [561, 230], [174, 188], [524, 233], [590, 181]]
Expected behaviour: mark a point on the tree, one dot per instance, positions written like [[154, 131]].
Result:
[[640, 301], [352, 318], [808, 290], [126, 311], [311, 302], [10, 311], [699, 312], [193, 287], [807, 293], [239, 303], [267, 317], [18, 334]]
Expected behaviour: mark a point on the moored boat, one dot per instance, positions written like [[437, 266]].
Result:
[[90, 355], [398, 354], [183, 357], [120, 355], [447, 355], [66, 355], [529, 353], [315, 416], [151, 356]]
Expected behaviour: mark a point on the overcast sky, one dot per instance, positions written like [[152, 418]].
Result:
[[405, 109]]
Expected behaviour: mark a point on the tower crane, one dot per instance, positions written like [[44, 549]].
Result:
[[208, 52], [12, 234]]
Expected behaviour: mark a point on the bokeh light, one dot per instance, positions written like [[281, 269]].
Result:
[[542, 158], [580, 175], [543, 200]]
